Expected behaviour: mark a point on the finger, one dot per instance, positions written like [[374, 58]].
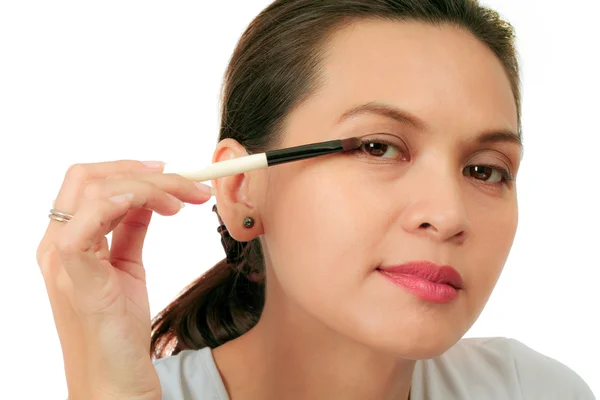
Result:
[[129, 236], [128, 241], [180, 187], [74, 182], [87, 226], [96, 218], [76, 244], [77, 174]]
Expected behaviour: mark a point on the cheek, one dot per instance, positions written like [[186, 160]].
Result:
[[319, 237], [493, 236]]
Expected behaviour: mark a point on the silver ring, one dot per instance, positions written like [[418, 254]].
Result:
[[59, 216]]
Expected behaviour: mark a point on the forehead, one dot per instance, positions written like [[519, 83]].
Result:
[[442, 74]]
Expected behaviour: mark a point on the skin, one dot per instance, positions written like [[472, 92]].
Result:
[[333, 326], [98, 293]]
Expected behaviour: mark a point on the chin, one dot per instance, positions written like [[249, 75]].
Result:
[[418, 347], [418, 340]]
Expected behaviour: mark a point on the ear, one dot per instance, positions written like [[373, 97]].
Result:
[[233, 195]]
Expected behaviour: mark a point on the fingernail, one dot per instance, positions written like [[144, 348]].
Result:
[[205, 189], [154, 164], [122, 198]]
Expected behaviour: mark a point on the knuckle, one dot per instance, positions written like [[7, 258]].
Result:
[[120, 175], [44, 255], [135, 225], [149, 190], [77, 172], [49, 263], [40, 256], [40, 253], [92, 190]]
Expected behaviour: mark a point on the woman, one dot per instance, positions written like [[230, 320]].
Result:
[[328, 288]]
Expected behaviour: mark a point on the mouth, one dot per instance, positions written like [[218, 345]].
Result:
[[440, 284]]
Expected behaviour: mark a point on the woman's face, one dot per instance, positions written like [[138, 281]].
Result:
[[437, 97]]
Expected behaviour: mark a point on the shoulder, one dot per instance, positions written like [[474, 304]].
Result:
[[545, 375], [190, 374], [530, 373]]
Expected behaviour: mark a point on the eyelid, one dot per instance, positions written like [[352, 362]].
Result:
[[371, 137], [506, 174], [498, 158], [385, 138]]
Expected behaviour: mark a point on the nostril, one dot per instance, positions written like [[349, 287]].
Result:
[[425, 225]]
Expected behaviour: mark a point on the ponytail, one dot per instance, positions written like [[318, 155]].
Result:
[[219, 306]]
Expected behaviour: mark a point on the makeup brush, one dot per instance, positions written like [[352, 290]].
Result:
[[273, 157]]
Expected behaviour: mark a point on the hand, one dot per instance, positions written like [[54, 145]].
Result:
[[98, 294]]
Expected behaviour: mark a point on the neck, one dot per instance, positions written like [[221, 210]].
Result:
[[290, 355]]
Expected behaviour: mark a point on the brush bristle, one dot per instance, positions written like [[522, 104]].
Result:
[[351, 143]]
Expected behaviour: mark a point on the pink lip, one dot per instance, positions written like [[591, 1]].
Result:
[[425, 279]]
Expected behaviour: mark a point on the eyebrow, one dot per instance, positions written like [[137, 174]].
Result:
[[385, 111], [500, 136], [492, 136]]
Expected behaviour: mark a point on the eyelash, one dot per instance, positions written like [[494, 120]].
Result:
[[507, 177], [361, 153]]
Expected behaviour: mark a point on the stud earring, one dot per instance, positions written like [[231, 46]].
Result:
[[248, 222]]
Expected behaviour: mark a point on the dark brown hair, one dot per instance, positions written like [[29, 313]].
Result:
[[274, 67]]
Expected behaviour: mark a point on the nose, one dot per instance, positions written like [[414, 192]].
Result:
[[436, 208]]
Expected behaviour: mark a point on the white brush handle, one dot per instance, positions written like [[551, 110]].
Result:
[[227, 168]]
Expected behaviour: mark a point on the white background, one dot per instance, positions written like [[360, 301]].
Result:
[[84, 81]]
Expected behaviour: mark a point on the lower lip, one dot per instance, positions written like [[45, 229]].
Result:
[[427, 290]]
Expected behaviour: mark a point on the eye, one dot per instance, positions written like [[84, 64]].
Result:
[[487, 173], [380, 148]]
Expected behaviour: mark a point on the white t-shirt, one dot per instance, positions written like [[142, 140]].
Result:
[[473, 369]]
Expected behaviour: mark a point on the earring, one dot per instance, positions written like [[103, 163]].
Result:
[[248, 222]]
